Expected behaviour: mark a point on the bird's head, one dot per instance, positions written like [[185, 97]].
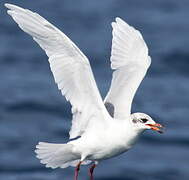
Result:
[[143, 122]]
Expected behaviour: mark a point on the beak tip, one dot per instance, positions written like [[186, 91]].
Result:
[[156, 127]]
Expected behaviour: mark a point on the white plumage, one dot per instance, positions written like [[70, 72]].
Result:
[[104, 131], [130, 60], [68, 64]]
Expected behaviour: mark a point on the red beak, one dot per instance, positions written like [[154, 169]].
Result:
[[156, 127]]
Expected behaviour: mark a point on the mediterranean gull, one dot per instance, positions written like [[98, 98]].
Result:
[[100, 130]]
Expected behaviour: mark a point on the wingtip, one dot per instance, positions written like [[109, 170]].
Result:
[[9, 6], [113, 24], [117, 19], [6, 5], [9, 12], [120, 21], [13, 7]]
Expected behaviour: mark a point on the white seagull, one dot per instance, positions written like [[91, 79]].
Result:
[[100, 130]]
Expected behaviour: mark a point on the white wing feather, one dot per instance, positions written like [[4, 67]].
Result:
[[130, 60], [70, 67]]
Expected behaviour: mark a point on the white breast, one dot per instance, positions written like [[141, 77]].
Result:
[[105, 143]]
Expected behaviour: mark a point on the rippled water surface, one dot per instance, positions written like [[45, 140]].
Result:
[[32, 109]]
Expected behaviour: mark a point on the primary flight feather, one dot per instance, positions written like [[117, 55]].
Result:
[[130, 61], [101, 129]]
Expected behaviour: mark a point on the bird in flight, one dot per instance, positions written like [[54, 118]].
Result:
[[100, 129]]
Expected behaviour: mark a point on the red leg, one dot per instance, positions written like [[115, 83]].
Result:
[[91, 169], [77, 171]]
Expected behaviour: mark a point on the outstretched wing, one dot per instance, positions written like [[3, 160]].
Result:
[[70, 67], [130, 60]]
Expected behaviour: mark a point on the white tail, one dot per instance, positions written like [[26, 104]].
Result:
[[56, 155]]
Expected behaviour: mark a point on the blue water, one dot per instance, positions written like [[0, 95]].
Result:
[[32, 109]]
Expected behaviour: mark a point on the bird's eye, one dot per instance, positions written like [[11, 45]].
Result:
[[144, 120]]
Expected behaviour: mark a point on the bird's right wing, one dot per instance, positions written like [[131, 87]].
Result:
[[70, 67], [130, 61]]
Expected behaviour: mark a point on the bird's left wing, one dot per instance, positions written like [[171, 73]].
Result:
[[70, 67], [130, 61]]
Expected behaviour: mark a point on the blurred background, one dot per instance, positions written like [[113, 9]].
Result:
[[32, 109]]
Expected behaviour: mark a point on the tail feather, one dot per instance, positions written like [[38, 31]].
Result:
[[56, 155]]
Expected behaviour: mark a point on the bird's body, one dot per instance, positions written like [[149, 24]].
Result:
[[111, 140], [104, 128]]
